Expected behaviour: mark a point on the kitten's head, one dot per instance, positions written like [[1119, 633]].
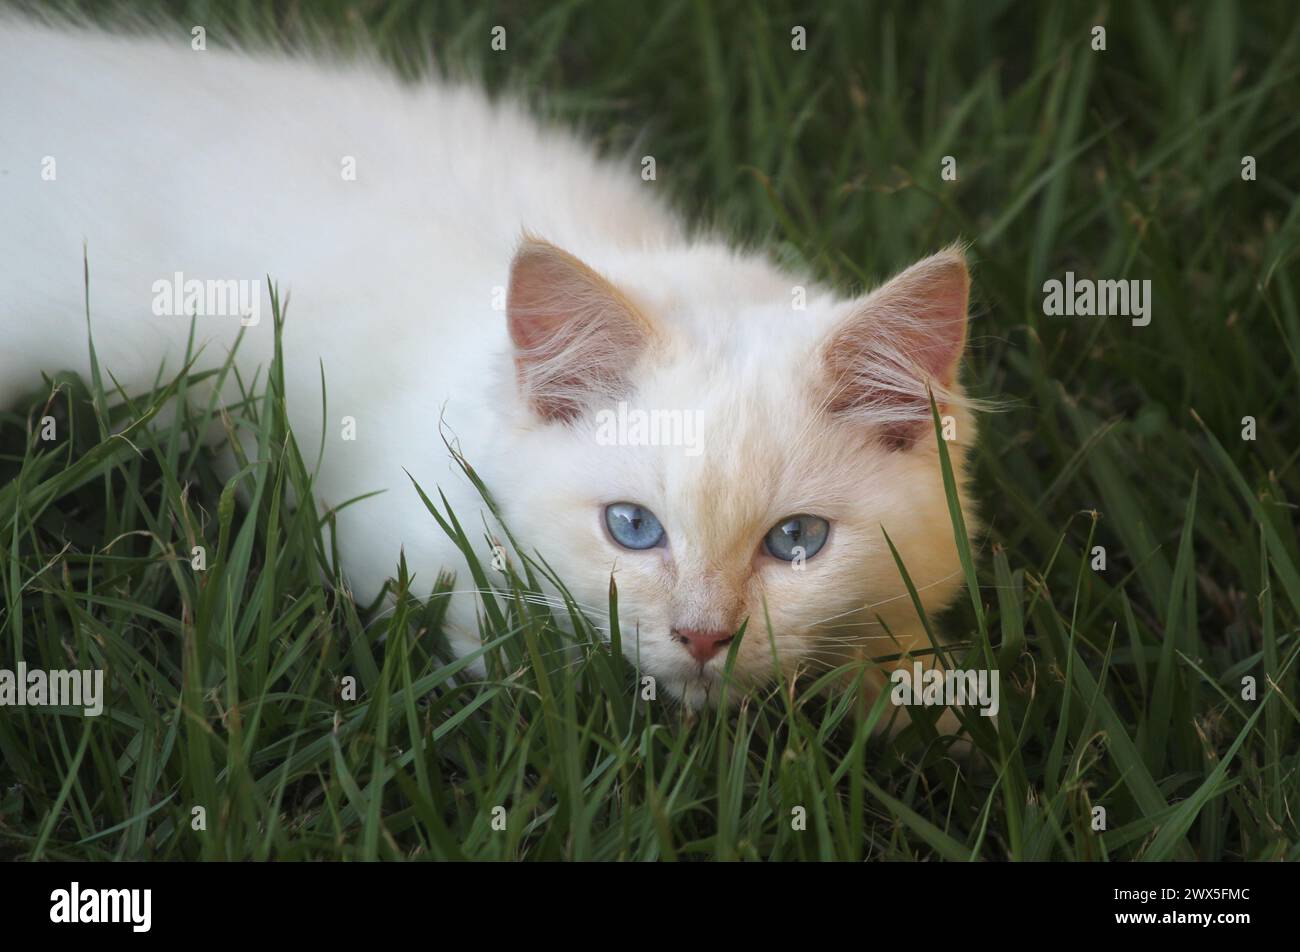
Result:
[[733, 449]]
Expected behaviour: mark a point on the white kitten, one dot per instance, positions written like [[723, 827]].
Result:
[[396, 217]]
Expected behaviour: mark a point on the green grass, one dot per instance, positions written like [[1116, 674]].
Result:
[[1121, 688]]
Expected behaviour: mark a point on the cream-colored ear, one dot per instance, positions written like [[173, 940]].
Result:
[[576, 336], [897, 344]]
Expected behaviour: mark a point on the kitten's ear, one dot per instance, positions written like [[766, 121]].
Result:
[[576, 336], [904, 337]]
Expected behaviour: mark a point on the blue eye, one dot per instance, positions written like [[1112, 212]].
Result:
[[632, 526], [797, 532]]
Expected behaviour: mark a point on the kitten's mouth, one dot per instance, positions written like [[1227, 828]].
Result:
[[697, 691], [703, 687]]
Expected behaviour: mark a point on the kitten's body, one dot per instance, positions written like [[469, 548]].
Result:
[[224, 166]]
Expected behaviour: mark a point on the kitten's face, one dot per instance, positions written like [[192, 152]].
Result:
[[766, 507]]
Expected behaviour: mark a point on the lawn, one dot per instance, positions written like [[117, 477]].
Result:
[[1148, 701]]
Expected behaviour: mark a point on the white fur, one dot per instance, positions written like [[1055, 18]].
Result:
[[225, 165]]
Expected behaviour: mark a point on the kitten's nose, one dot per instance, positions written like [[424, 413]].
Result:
[[702, 644]]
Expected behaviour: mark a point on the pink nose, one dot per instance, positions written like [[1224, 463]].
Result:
[[703, 645]]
